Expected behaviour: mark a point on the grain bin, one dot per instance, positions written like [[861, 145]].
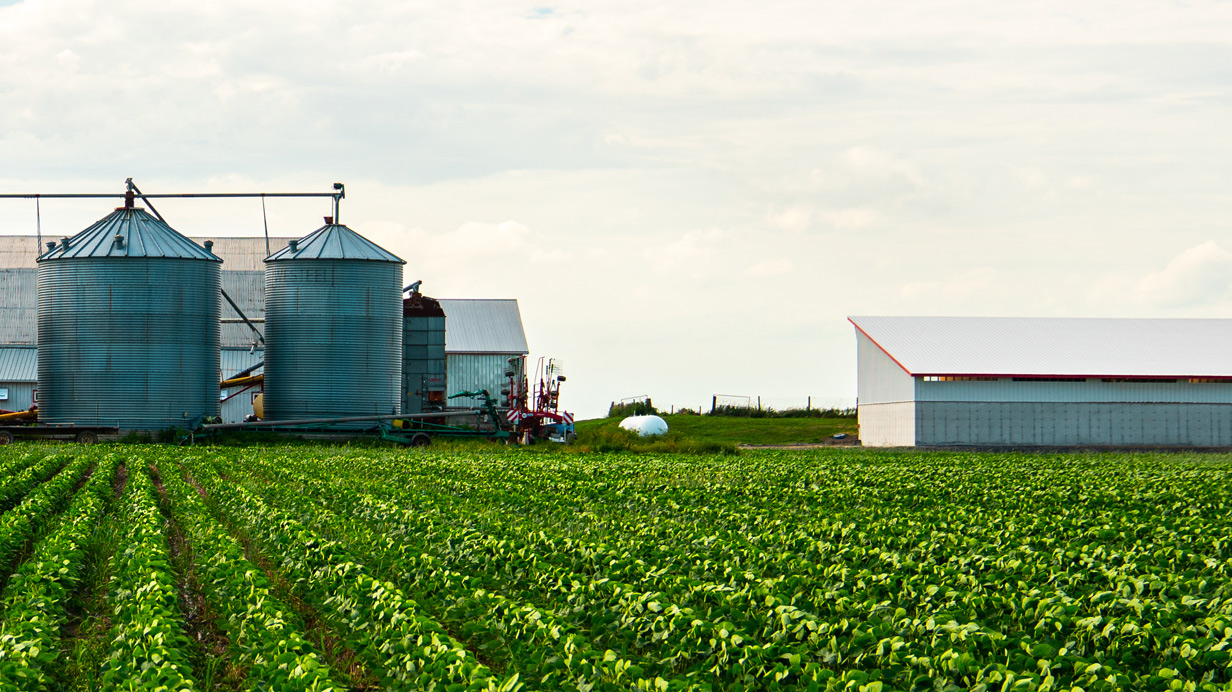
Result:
[[333, 328], [128, 326], [423, 353]]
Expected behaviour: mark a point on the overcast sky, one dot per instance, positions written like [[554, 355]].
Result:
[[686, 198]]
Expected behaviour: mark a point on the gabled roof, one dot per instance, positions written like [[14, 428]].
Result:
[[335, 241], [142, 234], [483, 326], [1054, 346]]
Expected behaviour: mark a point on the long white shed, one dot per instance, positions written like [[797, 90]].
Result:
[[1053, 382]]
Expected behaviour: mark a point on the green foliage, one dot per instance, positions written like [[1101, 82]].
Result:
[[635, 408], [263, 632], [711, 434], [768, 412], [149, 647], [823, 570], [37, 595]]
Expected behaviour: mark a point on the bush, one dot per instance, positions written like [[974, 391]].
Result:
[[743, 412], [636, 408]]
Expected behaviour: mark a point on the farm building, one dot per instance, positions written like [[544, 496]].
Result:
[[480, 338], [482, 334], [1000, 381]]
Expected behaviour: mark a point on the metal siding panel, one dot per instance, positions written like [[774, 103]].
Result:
[[21, 395], [423, 361], [470, 372], [333, 338], [129, 341]]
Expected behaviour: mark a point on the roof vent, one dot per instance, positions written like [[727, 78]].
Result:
[[51, 245], [294, 245], [209, 246], [64, 242], [329, 221], [119, 242]]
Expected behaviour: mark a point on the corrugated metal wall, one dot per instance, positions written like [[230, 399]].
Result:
[[131, 342], [423, 362], [472, 372], [333, 338], [1093, 390], [231, 361], [247, 289], [1064, 424], [880, 379], [18, 396], [18, 306]]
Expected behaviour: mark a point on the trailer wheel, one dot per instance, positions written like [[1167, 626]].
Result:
[[87, 438], [420, 440], [6, 438]]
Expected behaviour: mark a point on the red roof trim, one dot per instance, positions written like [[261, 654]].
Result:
[[874, 341]]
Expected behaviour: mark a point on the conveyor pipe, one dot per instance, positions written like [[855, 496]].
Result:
[[328, 421]]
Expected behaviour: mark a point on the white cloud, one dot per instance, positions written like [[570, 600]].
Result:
[[770, 267], [1200, 275], [949, 156]]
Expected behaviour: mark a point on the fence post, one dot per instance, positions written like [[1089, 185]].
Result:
[[759, 403], [714, 402], [809, 407]]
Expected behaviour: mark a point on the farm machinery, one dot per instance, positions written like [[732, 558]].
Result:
[[534, 411]]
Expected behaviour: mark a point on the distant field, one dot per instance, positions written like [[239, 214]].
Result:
[[750, 431]]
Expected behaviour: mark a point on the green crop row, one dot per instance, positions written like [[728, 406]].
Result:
[[829, 570], [262, 631], [15, 487], [406, 649], [36, 597], [149, 648]]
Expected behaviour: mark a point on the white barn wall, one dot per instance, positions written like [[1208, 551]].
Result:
[[885, 408], [880, 380], [887, 425]]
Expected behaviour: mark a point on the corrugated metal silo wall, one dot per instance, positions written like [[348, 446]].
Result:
[[333, 338], [131, 342], [469, 372], [423, 362]]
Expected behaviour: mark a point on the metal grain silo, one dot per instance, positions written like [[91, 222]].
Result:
[[423, 354], [333, 328], [128, 326]]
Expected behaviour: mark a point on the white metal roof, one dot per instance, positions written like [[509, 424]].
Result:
[[483, 326], [1054, 346]]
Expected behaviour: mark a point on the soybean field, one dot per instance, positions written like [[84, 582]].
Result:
[[326, 568]]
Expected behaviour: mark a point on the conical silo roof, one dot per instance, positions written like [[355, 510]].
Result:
[[143, 236], [334, 242]]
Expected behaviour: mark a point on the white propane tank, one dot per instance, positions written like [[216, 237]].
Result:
[[645, 426]]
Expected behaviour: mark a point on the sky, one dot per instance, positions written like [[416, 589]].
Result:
[[686, 199]]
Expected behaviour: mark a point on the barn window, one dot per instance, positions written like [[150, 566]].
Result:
[[1137, 380], [1050, 379], [1210, 380], [957, 378]]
